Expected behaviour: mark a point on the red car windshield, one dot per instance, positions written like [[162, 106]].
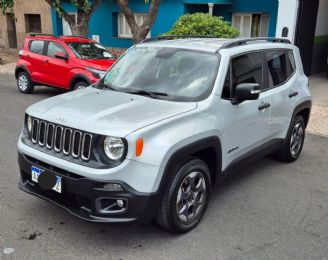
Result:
[[89, 50]]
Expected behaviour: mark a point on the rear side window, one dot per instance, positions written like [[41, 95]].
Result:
[[54, 48], [280, 66], [246, 68], [36, 47]]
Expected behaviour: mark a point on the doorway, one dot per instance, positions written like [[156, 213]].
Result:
[[11, 30], [305, 34]]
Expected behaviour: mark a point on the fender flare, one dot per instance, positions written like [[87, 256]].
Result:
[[212, 142], [304, 105], [21, 67], [81, 76]]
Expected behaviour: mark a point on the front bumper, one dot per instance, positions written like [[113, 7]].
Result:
[[81, 196]]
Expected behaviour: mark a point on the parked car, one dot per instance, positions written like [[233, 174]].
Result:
[[67, 62], [167, 121]]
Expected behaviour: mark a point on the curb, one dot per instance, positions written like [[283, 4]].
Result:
[[5, 75]]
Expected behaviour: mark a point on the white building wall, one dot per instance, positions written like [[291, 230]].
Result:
[[287, 17]]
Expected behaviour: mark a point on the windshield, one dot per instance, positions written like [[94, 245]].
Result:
[[170, 73], [89, 50]]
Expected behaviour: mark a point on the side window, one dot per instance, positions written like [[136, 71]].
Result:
[[37, 47], [53, 48], [281, 65], [246, 68]]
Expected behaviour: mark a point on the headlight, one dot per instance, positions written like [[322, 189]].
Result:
[[29, 123], [97, 73], [114, 148]]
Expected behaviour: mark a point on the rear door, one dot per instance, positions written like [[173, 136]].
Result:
[[246, 125], [36, 59], [281, 83], [57, 68]]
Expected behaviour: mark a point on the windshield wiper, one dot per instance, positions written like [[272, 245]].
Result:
[[151, 94]]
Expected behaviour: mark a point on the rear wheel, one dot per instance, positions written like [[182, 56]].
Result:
[[294, 142], [24, 83], [186, 197]]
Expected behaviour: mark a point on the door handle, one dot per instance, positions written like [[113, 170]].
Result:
[[46, 61], [264, 106], [293, 94]]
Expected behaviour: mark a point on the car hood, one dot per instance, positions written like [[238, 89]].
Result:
[[106, 112], [99, 64]]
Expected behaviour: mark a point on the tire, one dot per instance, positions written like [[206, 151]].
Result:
[[24, 83], [80, 85], [192, 200], [294, 142]]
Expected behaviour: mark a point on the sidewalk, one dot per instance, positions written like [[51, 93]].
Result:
[[7, 64], [319, 116]]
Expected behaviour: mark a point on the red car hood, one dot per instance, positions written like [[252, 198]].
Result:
[[100, 64]]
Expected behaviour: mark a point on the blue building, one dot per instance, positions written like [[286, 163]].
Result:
[[251, 17]]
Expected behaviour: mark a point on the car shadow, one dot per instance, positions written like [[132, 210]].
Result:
[[121, 234]]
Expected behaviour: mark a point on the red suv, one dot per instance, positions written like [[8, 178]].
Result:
[[68, 62]]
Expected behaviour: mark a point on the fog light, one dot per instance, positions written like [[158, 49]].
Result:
[[120, 203], [113, 187]]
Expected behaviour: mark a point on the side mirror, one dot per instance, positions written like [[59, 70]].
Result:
[[61, 55], [247, 91]]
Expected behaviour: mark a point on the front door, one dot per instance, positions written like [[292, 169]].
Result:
[[11, 30], [246, 124], [58, 69]]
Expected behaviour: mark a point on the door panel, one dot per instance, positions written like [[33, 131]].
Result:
[[246, 124], [36, 58], [246, 127], [56, 68]]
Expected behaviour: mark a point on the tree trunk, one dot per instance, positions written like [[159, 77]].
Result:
[[139, 33], [80, 30]]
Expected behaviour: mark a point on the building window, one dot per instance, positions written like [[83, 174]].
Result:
[[251, 25], [33, 23], [124, 28]]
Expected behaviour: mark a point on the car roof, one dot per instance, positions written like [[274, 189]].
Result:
[[213, 45], [65, 38]]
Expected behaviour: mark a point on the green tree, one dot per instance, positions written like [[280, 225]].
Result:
[[84, 11], [6, 4], [202, 24], [139, 32]]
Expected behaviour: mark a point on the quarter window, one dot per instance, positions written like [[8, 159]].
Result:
[[37, 47], [280, 65], [54, 48]]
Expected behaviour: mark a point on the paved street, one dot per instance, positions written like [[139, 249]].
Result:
[[270, 210]]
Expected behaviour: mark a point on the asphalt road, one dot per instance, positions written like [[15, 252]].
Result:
[[270, 210]]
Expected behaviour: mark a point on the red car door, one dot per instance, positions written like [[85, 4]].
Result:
[[57, 65], [36, 60]]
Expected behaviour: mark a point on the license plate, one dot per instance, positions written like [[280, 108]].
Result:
[[36, 172]]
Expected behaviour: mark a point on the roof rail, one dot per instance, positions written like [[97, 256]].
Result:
[[74, 36], [42, 34], [238, 42], [173, 37]]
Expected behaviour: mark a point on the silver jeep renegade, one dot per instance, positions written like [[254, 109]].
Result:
[[168, 120]]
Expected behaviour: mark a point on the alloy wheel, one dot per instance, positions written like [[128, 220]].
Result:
[[296, 139]]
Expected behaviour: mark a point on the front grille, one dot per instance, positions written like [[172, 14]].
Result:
[[61, 139]]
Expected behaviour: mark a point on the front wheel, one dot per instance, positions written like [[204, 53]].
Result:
[[294, 142], [80, 85], [186, 197]]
